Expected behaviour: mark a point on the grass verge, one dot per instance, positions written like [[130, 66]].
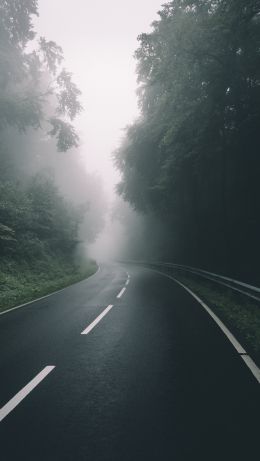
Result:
[[23, 282], [238, 313]]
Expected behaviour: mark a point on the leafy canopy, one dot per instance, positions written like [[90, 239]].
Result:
[[35, 91], [184, 159]]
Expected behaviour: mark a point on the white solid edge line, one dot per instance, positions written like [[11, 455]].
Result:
[[221, 325], [47, 296], [243, 354], [121, 293], [97, 320], [9, 406], [252, 366]]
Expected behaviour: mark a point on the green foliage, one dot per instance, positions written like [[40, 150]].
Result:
[[241, 315], [51, 54], [68, 95], [35, 220], [23, 281], [6, 233], [65, 134], [192, 156], [34, 91], [16, 20], [39, 228]]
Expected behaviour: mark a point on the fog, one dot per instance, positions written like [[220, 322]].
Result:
[[60, 127], [130, 157], [98, 41]]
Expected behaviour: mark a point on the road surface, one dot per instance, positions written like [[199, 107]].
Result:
[[151, 378]]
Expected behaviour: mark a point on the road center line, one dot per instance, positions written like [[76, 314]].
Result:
[[121, 293], [97, 320], [9, 406]]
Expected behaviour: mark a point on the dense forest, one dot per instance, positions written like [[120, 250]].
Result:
[[48, 203], [191, 160]]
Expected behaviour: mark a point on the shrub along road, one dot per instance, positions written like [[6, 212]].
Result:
[[123, 367]]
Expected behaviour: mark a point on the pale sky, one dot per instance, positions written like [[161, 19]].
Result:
[[99, 40]]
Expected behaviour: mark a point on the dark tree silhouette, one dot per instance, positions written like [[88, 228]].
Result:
[[192, 157]]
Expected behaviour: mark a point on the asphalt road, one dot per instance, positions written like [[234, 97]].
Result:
[[155, 379]]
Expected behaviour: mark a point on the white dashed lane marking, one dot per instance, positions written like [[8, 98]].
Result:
[[97, 320], [9, 406], [121, 293]]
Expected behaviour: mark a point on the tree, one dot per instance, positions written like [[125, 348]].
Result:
[[192, 158], [38, 221], [34, 90]]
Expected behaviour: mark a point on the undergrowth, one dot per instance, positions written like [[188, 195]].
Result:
[[23, 281], [237, 311]]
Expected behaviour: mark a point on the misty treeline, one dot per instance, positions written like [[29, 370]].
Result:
[[48, 203], [191, 160]]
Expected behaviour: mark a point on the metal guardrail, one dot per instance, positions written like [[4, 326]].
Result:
[[246, 289], [217, 276]]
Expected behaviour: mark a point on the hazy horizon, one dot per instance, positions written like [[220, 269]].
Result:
[[105, 35]]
